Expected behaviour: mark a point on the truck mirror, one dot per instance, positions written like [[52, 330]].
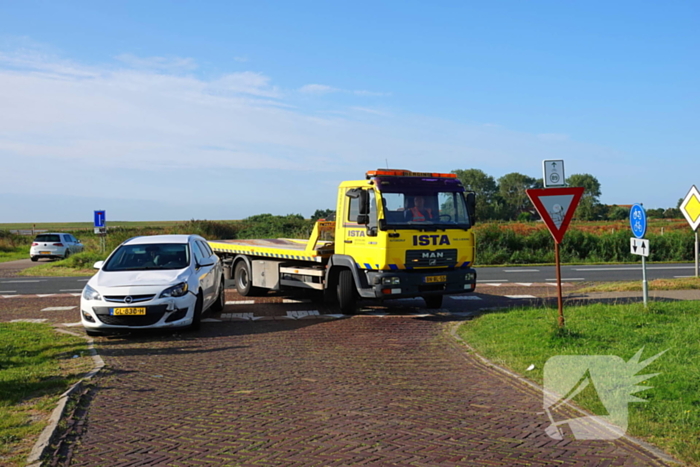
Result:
[[364, 202], [363, 219], [470, 197]]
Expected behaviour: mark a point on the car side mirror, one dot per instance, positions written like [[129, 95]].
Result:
[[98, 265], [206, 263]]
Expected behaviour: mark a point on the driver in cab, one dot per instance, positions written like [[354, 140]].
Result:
[[418, 213]]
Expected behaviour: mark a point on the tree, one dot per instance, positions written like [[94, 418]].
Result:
[[485, 188], [327, 214], [588, 206], [511, 189]]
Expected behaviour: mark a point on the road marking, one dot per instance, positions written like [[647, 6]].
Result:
[[521, 270], [28, 320], [246, 316], [241, 302], [518, 297], [42, 295], [59, 308], [492, 285], [82, 280], [10, 296], [525, 284], [71, 290], [495, 280], [20, 282], [568, 279], [292, 300], [8, 291], [466, 297], [302, 314], [73, 325]]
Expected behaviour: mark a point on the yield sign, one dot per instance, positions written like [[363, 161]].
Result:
[[556, 207]]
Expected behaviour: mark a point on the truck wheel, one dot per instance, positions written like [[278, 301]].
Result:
[[244, 281], [346, 292], [433, 301]]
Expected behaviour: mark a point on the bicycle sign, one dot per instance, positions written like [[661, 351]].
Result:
[[638, 220]]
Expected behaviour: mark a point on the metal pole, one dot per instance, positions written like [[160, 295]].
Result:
[[645, 289], [696, 253], [560, 300]]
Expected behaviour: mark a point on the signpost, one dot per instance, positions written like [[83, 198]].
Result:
[[638, 223], [690, 207], [553, 173], [101, 227], [556, 207]]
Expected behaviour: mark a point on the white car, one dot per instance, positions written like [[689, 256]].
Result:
[[159, 281], [54, 245]]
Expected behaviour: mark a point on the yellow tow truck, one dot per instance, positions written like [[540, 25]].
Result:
[[397, 234]]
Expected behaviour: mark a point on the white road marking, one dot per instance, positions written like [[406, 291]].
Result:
[[72, 325], [302, 314], [495, 280], [292, 300], [10, 296], [237, 315], [20, 282], [28, 320], [58, 308], [526, 284], [521, 270], [241, 302], [493, 285], [42, 295], [518, 297], [466, 297], [8, 291], [71, 290]]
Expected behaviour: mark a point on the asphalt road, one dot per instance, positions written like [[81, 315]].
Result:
[[525, 275]]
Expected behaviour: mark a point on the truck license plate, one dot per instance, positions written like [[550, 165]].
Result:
[[431, 279], [128, 311]]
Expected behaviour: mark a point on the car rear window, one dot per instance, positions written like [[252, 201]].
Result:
[[47, 238]]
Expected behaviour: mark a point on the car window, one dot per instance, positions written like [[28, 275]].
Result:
[[67, 239], [149, 256], [208, 248], [73, 239], [204, 248], [49, 238], [198, 255]]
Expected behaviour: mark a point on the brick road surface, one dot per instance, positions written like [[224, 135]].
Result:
[[360, 391], [367, 390]]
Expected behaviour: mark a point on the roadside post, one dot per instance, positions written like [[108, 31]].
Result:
[[639, 245], [101, 228], [556, 207], [690, 207]]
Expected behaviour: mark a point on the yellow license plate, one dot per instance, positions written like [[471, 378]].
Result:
[[44, 252], [128, 311], [430, 279]]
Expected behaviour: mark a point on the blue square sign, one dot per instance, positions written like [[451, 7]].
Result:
[[100, 219]]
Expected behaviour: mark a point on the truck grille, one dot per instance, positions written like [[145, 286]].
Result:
[[428, 258]]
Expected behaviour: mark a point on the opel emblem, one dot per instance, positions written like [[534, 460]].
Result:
[[128, 299]]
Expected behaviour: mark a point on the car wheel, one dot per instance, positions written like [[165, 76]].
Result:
[[34, 258], [220, 302], [347, 299], [433, 301], [244, 281], [67, 254], [197, 317]]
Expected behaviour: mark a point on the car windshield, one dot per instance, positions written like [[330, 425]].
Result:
[[47, 238], [148, 257]]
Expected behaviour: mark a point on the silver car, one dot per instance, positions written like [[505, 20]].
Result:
[[54, 245]]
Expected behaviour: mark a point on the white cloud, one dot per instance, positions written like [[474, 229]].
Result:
[[317, 89], [158, 63]]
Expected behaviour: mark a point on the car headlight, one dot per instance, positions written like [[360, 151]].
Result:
[[91, 294], [391, 280], [175, 291]]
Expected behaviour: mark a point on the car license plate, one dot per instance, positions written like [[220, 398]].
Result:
[[127, 311], [431, 279], [44, 252]]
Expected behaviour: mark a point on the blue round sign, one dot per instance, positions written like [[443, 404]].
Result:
[[638, 221]]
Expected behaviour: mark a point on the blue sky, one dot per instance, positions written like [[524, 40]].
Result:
[[221, 110]]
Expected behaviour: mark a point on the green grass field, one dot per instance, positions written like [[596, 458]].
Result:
[[37, 365], [518, 338]]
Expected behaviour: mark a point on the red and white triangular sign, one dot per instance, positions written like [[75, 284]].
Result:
[[556, 207]]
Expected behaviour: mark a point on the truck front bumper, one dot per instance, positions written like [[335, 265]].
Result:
[[418, 283]]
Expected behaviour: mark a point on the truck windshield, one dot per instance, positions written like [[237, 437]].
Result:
[[441, 209]]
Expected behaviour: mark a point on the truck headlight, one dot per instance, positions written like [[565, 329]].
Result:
[[91, 294], [391, 280], [175, 291], [469, 277]]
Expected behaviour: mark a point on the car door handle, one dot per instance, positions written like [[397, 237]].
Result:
[[348, 241]]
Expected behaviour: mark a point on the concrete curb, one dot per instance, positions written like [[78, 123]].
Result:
[[642, 445], [42, 444]]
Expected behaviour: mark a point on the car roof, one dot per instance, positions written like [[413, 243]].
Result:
[[51, 233], [149, 239]]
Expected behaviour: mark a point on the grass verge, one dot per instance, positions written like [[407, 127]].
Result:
[[685, 283], [518, 338], [37, 365], [79, 264], [14, 254]]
